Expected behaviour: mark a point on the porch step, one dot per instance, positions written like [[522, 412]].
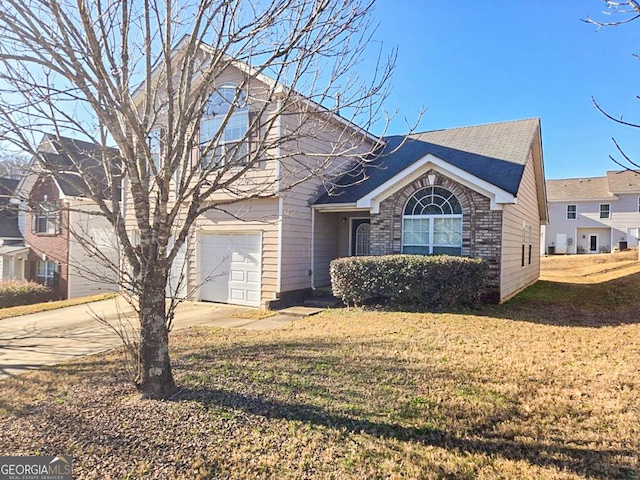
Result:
[[328, 301], [299, 312], [321, 292]]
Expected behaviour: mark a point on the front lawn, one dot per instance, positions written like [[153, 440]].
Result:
[[20, 310], [516, 391]]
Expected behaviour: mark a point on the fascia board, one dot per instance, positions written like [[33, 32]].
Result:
[[573, 201], [337, 207]]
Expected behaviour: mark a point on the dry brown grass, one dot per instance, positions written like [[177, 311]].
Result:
[[255, 314], [508, 392], [46, 306], [589, 268]]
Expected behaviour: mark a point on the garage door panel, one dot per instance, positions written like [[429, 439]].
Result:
[[232, 262], [238, 276], [238, 295], [253, 277], [253, 297]]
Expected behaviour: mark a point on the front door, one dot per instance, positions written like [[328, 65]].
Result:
[[360, 236], [593, 243]]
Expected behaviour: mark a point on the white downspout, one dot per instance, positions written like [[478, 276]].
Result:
[[280, 199], [313, 234]]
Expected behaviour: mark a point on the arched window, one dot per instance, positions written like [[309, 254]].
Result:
[[227, 103], [363, 234], [432, 223]]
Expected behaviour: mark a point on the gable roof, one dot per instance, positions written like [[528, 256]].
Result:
[[495, 153], [277, 86], [72, 162], [593, 188]]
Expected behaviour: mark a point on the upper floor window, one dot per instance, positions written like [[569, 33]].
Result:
[[156, 138], [638, 204], [432, 223], [223, 127], [46, 218], [605, 210], [572, 212]]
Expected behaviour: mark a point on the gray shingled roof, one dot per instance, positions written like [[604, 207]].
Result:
[[495, 152], [75, 156]]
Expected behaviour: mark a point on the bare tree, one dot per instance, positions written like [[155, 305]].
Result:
[[145, 76], [618, 13], [13, 166]]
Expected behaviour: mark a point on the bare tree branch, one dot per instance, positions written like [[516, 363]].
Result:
[[123, 75]]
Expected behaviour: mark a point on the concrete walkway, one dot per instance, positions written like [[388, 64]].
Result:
[[31, 341]]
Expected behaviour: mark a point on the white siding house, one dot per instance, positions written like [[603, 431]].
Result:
[[593, 215]]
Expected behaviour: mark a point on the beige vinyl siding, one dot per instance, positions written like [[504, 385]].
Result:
[[326, 242], [258, 216], [515, 277], [296, 221], [88, 274]]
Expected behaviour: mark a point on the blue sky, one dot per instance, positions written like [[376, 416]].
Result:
[[469, 62]]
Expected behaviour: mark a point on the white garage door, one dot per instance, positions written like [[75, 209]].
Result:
[[230, 268], [177, 281]]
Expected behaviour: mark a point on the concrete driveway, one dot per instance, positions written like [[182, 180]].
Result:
[[32, 341]]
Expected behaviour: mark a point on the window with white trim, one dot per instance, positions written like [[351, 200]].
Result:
[[638, 204], [432, 223], [223, 128], [524, 233], [46, 218], [47, 273], [530, 242], [605, 210], [572, 212], [155, 147]]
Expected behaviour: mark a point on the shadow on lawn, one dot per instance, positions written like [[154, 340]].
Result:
[[597, 463], [595, 305], [615, 302]]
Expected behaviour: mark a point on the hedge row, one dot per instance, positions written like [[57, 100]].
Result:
[[21, 292], [415, 281]]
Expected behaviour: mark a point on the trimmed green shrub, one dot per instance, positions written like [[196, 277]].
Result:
[[415, 281], [22, 292]]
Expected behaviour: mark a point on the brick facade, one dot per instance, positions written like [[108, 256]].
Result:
[[481, 226], [54, 246]]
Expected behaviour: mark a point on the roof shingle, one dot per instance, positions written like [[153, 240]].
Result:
[[494, 152]]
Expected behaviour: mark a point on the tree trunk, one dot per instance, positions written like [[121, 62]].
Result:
[[157, 379]]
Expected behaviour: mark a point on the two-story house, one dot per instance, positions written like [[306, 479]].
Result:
[[593, 214], [476, 191], [58, 225], [13, 253]]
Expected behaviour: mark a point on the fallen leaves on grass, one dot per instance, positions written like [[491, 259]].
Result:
[[511, 392]]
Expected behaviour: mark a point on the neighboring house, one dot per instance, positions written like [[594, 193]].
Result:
[[594, 214], [13, 253], [58, 227]]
